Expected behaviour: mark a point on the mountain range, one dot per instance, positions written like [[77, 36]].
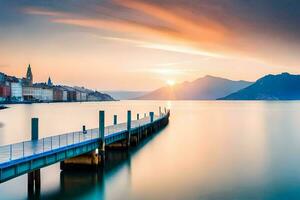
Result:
[[123, 94], [282, 86], [205, 88]]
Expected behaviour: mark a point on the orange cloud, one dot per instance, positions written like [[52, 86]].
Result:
[[171, 28], [177, 30]]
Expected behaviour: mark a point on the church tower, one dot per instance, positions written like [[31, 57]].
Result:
[[50, 82], [29, 76]]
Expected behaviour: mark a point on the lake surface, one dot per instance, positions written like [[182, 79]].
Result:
[[209, 150]]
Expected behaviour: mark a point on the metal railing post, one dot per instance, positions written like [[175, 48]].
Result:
[[10, 150], [115, 119]]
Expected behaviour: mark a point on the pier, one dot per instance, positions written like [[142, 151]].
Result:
[[81, 149]]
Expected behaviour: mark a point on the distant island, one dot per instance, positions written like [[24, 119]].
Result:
[[23, 90], [205, 88], [283, 86]]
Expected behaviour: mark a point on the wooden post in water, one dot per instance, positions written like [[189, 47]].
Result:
[[129, 127], [115, 119], [34, 177], [101, 134], [151, 116], [34, 129], [84, 129]]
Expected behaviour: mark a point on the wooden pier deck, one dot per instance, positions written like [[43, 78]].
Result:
[[28, 156]]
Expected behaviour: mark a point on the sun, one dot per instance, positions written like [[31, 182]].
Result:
[[170, 82]]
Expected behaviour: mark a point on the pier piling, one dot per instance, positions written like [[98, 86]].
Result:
[[115, 119], [128, 126], [151, 116], [102, 134], [76, 151], [34, 177]]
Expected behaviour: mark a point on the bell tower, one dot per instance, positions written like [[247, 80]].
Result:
[[29, 76]]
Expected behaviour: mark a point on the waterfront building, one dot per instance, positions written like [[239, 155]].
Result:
[[27, 93], [71, 95], [4, 92], [57, 94], [38, 92], [78, 96], [16, 91], [32, 93], [83, 96], [82, 93], [65, 95], [2, 78], [43, 92], [91, 97], [47, 94]]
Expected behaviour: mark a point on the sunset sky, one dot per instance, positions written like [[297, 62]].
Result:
[[144, 44]]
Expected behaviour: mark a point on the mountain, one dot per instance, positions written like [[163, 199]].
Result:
[[206, 88], [283, 86], [123, 95]]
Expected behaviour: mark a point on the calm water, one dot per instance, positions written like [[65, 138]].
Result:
[[210, 150]]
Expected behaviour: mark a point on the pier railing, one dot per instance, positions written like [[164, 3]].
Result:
[[9, 153]]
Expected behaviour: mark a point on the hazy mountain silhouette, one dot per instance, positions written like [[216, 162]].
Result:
[[206, 88], [283, 86], [124, 95]]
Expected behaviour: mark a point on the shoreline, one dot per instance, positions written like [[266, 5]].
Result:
[[14, 103], [2, 107]]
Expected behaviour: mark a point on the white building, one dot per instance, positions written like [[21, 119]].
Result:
[[78, 96], [37, 93], [47, 94], [83, 96], [65, 95], [16, 91]]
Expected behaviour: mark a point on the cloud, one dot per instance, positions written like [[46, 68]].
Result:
[[193, 39], [164, 47], [39, 11], [249, 29]]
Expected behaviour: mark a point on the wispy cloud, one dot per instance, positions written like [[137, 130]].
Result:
[[207, 28], [176, 35], [44, 12], [164, 47]]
